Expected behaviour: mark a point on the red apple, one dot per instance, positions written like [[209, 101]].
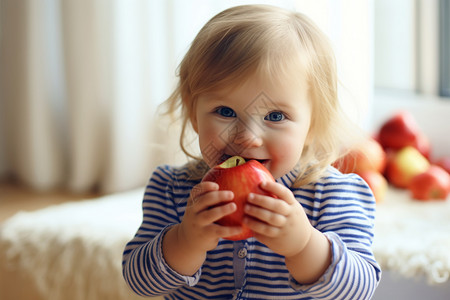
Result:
[[242, 178], [403, 165], [444, 163], [399, 131], [402, 130], [377, 183], [434, 183], [423, 145], [368, 156]]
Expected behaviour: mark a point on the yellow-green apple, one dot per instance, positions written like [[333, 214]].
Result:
[[377, 183], [402, 130], [434, 183], [366, 156], [444, 163], [403, 165], [243, 178]]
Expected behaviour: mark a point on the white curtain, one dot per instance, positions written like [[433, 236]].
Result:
[[80, 81], [79, 90]]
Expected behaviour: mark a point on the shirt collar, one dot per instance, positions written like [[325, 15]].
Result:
[[289, 178]]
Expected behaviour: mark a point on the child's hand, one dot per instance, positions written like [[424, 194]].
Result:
[[205, 206], [281, 224]]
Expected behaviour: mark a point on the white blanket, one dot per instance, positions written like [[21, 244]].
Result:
[[74, 250], [412, 238]]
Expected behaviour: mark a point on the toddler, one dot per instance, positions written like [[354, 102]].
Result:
[[260, 82]]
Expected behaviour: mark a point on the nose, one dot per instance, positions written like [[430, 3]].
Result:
[[246, 135]]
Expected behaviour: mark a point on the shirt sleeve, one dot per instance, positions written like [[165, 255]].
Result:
[[144, 268], [344, 211]]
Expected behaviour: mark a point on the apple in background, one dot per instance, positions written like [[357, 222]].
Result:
[[399, 131], [434, 183], [444, 163], [377, 183], [423, 145], [403, 165], [242, 178], [402, 130], [367, 156]]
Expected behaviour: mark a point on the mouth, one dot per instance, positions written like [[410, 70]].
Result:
[[224, 157]]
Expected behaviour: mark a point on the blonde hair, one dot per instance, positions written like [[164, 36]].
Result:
[[279, 45]]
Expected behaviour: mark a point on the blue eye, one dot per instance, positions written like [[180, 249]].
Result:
[[226, 112], [275, 116]]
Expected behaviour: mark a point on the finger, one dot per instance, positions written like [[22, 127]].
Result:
[[267, 216], [261, 228], [278, 190], [224, 231], [211, 199], [214, 214], [276, 205], [202, 188]]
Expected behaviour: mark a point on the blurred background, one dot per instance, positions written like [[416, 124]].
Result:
[[81, 81]]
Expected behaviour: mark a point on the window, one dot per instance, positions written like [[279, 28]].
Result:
[[444, 54], [412, 46]]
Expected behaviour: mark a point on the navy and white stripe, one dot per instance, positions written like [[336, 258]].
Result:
[[340, 206]]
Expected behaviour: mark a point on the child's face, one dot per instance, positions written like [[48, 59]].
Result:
[[256, 120]]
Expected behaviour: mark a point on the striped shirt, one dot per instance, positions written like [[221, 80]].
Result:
[[339, 205]]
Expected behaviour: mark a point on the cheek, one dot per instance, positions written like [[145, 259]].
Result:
[[209, 132], [211, 143], [289, 151], [287, 148]]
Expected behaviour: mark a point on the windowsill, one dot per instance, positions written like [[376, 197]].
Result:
[[412, 238], [431, 113]]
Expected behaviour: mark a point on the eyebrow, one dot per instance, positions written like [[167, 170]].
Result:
[[266, 105]]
